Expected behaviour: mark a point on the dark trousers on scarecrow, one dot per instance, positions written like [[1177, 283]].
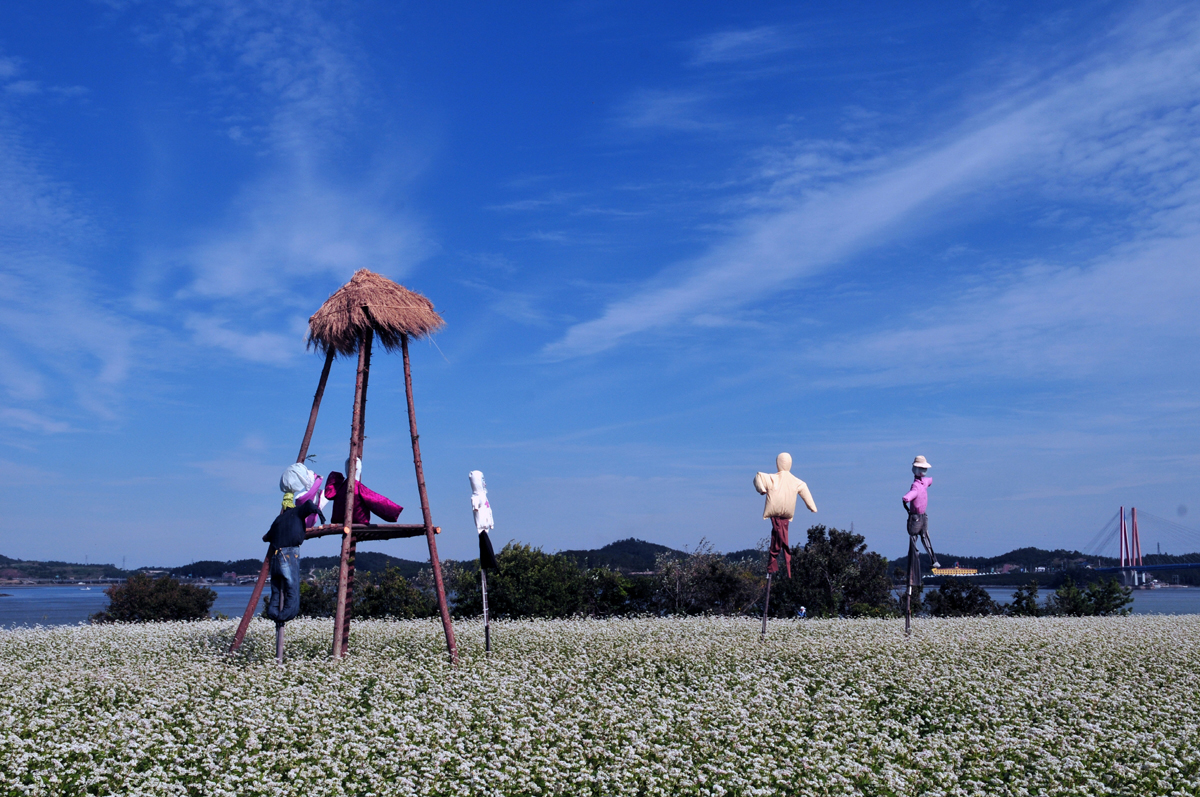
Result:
[[284, 604], [779, 545], [918, 529]]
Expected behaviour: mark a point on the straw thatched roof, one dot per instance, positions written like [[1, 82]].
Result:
[[371, 301]]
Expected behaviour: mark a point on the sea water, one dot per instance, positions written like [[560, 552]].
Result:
[[70, 604]]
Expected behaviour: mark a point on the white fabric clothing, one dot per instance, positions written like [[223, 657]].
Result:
[[299, 480], [479, 502], [296, 479], [781, 490]]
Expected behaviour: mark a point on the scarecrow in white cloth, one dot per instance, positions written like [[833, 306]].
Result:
[[483, 519], [781, 490], [482, 509]]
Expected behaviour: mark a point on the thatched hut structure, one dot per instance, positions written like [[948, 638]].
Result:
[[369, 306], [370, 301]]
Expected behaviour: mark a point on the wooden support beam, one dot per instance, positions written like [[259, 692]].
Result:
[[443, 608], [339, 619], [353, 553], [371, 532], [265, 570]]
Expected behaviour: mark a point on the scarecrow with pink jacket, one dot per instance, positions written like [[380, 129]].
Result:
[[916, 503], [366, 500]]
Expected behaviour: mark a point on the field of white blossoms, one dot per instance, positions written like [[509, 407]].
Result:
[[989, 706]]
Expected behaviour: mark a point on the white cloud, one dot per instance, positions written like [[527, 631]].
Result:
[[288, 230], [67, 348], [261, 347], [31, 421], [740, 45], [653, 109], [23, 87], [289, 75], [1058, 322], [1116, 127]]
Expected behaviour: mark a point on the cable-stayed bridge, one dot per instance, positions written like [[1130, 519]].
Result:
[[1122, 535]]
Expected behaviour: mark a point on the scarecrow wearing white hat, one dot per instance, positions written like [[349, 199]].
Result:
[[916, 503], [781, 490]]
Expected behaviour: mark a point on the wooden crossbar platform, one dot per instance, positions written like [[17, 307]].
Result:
[[365, 532]]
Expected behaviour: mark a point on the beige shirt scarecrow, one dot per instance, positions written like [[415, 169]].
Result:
[[781, 490]]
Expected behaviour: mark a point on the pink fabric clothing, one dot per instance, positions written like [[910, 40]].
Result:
[[311, 495], [918, 495], [366, 501]]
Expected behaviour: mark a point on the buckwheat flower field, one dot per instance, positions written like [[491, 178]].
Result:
[[988, 706]]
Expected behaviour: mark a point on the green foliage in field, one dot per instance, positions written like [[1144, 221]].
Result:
[[834, 575], [390, 594], [958, 597], [143, 599], [1099, 599], [1025, 602], [386, 594], [705, 582]]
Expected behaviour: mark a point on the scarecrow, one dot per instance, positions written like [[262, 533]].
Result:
[[285, 537], [366, 500], [916, 502], [781, 490], [482, 510]]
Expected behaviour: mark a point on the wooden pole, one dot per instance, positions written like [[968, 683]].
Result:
[[265, 570], [908, 612], [766, 605], [362, 439], [316, 405], [339, 619], [443, 608], [913, 581], [487, 626]]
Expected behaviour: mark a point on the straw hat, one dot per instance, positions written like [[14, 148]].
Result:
[[920, 462]]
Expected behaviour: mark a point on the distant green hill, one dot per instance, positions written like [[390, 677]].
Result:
[[67, 571], [630, 556], [367, 561]]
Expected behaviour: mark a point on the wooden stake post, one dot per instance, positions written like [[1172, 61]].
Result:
[[447, 626], [362, 438], [487, 625], [341, 621], [766, 605]]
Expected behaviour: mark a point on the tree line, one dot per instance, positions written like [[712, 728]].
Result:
[[833, 575]]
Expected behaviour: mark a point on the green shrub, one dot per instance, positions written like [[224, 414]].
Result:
[[1025, 602], [142, 599], [957, 597], [389, 594], [1099, 599]]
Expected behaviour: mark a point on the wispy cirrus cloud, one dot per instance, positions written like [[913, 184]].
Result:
[[1112, 127], [657, 109], [1046, 321], [291, 76], [68, 345], [729, 46]]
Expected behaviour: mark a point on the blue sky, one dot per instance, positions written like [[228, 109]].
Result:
[[669, 241]]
